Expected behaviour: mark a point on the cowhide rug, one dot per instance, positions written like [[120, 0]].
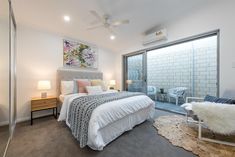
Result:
[[179, 133]]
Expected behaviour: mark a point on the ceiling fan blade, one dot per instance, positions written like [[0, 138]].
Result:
[[97, 16], [120, 22], [94, 27], [96, 22]]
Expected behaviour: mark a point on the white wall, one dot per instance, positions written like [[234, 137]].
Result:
[[39, 55], [4, 72], [217, 16]]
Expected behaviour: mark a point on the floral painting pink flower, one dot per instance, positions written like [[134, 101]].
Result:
[[77, 54]]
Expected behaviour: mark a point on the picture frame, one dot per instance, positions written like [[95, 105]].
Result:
[[79, 55]]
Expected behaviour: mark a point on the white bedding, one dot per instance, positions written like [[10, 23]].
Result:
[[110, 120], [62, 96]]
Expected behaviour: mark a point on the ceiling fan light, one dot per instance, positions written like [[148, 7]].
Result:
[[112, 37], [66, 18]]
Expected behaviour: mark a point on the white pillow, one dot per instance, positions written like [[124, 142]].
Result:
[[67, 87], [93, 90]]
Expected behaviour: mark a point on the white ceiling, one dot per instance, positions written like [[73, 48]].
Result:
[[143, 15]]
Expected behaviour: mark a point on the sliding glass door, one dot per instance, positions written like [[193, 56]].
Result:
[[189, 67], [135, 73]]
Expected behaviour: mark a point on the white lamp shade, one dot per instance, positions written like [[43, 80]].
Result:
[[112, 82], [44, 85]]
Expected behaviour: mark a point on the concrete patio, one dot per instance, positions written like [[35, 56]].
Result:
[[166, 106]]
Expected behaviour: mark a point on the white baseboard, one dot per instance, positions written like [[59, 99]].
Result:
[[23, 119], [4, 123]]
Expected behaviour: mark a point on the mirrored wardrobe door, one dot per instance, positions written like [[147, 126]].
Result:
[[12, 71], [4, 75]]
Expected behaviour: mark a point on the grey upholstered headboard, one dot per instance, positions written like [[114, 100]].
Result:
[[70, 74]]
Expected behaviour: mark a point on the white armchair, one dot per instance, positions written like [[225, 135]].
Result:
[[177, 93], [208, 112], [152, 92]]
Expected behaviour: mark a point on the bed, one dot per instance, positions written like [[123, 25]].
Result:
[[109, 120]]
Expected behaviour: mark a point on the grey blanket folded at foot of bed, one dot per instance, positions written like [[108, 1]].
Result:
[[81, 109]]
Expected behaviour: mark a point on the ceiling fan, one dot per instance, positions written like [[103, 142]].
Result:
[[106, 22]]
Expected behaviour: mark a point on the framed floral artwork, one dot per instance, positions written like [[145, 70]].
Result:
[[77, 54]]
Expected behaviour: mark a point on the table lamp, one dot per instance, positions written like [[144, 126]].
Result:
[[112, 84], [43, 86], [128, 82]]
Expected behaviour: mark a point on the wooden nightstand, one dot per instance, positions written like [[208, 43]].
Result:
[[39, 104]]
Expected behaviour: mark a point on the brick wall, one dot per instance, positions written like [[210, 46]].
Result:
[[192, 65]]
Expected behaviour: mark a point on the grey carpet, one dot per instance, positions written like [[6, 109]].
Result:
[[49, 138], [169, 107], [4, 134]]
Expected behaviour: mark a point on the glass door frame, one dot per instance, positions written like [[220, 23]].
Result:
[[191, 38], [125, 73]]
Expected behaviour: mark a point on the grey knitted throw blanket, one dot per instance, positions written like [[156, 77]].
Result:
[[81, 109]]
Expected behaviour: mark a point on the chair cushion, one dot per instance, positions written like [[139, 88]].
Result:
[[225, 101], [219, 100], [179, 91], [210, 98]]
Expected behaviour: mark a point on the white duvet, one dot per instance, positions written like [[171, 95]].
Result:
[[110, 120]]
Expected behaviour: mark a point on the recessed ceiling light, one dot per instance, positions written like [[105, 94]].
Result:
[[112, 37], [66, 18]]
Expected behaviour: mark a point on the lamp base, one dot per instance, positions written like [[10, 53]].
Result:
[[44, 95]]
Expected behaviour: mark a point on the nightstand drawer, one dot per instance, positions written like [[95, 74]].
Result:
[[43, 104], [43, 107], [45, 101]]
